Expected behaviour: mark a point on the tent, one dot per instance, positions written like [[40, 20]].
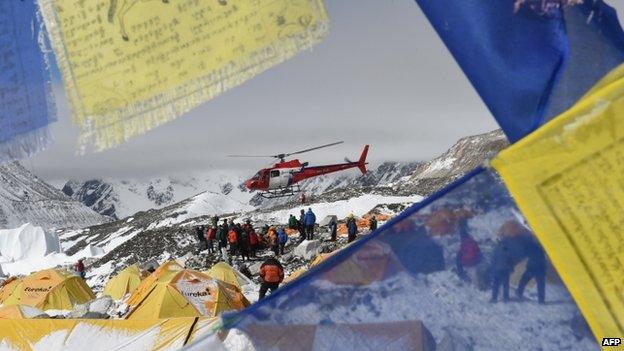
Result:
[[8, 286], [19, 312], [225, 273], [372, 263], [51, 289], [127, 281], [294, 275], [319, 258], [102, 334], [172, 291]]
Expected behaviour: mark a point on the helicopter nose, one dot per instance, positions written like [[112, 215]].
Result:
[[250, 184]]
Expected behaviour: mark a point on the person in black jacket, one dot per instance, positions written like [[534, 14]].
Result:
[[222, 240], [502, 266], [535, 269], [333, 228], [302, 232], [200, 232]]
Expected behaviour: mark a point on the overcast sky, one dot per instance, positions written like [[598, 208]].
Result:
[[381, 77]]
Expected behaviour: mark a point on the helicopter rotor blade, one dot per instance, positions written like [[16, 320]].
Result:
[[265, 156], [314, 148]]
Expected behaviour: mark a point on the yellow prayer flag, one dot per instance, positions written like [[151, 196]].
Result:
[[131, 65], [568, 180]]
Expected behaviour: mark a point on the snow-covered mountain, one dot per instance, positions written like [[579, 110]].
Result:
[[24, 198], [465, 155], [120, 198]]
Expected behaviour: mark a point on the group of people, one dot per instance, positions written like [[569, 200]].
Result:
[[232, 239], [305, 224], [509, 251]]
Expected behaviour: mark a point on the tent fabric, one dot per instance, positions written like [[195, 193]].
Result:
[[319, 258], [127, 281], [8, 286], [225, 273], [163, 273], [51, 289], [294, 275], [172, 291], [403, 272], [101, 335], [545, 58]]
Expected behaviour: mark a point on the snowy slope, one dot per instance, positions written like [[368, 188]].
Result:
[[464, 156], [26, 198], [120, 198]]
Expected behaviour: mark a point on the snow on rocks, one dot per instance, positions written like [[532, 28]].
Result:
[[101, 305], [356, 205], [307, 249]]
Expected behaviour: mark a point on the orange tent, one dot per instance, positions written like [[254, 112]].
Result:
[[51, 289]]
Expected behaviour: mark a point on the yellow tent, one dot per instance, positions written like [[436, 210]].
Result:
[[7, 288], [320, 258], [103, 334], [225, 273], [296, 274], [127, 281], [51, 289], [172, 291], [19, 312]]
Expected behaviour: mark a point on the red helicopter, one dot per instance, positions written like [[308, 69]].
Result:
[[281, 179]]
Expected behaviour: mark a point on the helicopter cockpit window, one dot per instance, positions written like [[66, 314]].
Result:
[[256, 176], [274, 174]]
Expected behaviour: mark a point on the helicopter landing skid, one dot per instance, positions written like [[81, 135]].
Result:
[[283, 192]]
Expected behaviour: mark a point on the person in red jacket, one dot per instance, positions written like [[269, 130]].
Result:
[[232, 238], [211, 234], [469, 254], [271, 275], [254, 241], [80, 269]]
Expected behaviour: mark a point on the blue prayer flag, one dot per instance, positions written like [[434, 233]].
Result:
[[528, 60], [26, 104]]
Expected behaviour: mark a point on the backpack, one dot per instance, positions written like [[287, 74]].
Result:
[[253, 238], [470, 252], [292, 223], [210, 235], [244, 237], [232, 239], [273, 241], [283, 238], [271, 273]]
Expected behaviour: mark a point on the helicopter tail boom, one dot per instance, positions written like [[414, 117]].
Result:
[[362, 161]]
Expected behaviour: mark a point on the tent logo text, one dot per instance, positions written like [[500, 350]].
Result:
[[197, 294], [28, 289]]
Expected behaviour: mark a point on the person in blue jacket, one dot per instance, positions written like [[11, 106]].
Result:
[[310, 221], [282, 238]]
